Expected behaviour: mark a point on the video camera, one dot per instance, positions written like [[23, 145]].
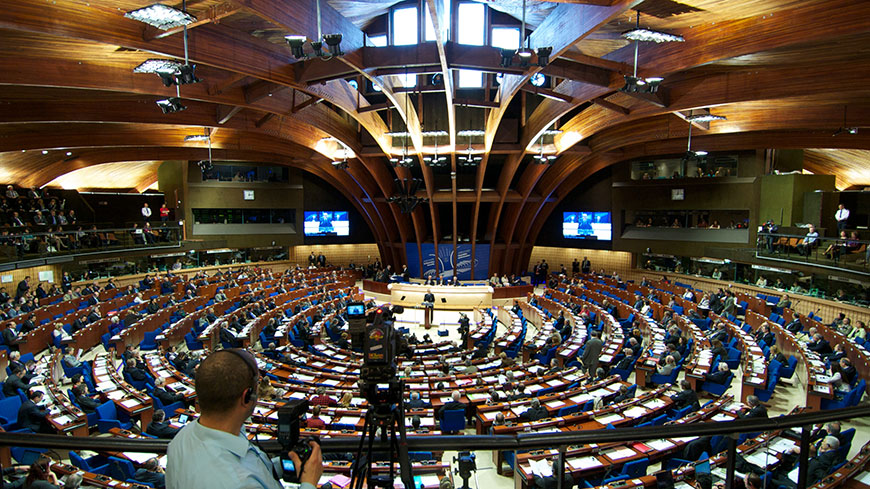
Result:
[[381, 345], [289, 421]]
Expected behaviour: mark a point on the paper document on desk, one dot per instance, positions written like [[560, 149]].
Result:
[[634, 412], [619, 453], [761, 459], [782, 445], [555, 404], [541, 468], [864, 478], [62, 420], [659, 445], [139, 458], [609, 418], [130, 403], [583, 463]]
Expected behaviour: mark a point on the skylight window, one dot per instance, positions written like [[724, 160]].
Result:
[[472, 19], [409, 80], [379, 40], [405, 26], [470, 79], [505, 37]]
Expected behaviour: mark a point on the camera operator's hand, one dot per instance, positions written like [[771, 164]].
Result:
[[313, 468]]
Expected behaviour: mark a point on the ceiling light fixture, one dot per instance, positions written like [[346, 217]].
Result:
[[161, 16], [647, 35], [333, 42], [45, 151], [525, 52], [634, 83], [541, 158], [706, 118], [471, 133], [699, 155], [197, 137], [170, 105], [170, 72]]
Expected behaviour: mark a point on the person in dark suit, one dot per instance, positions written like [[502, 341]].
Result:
[[430, 298], [151, 473], [10, 337], [819, 345], [795, 326], [719, 351], [415, 402], [626, 361], [77, 324], [31, 416], [686, 397], [132, 318], [94, 315], [535, 411], [720, 376], [159, 427], [623, 395], [756, 409], [163, 393], [87, 403], [591, 353], [14, 382], [321, 260], [453, 404], [134, 371], [818, 468], [23, 287], [720, 333]]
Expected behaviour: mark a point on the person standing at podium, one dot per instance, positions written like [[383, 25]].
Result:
[[429, 299]]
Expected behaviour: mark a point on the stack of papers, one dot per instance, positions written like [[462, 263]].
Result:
[[619, 453], [583, 463]]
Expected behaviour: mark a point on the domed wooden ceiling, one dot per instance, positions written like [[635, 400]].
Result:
[[781, 70]]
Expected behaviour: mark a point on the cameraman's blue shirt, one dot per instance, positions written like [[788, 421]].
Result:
[[201, 457]]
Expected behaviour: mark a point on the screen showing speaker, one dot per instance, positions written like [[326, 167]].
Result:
[[586, 225], [326, 223]]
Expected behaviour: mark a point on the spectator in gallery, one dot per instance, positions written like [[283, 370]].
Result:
[[146, 212], [164, 212]]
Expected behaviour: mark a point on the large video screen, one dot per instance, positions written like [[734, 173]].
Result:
[[586, 225], [326, 223]]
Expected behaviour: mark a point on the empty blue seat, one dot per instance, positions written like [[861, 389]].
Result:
[[107, 418], [453, 420]]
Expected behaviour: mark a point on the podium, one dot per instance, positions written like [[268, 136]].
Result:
[[428, 308]]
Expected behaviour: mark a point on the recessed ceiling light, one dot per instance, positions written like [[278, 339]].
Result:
[[45, 151], [69, 153]]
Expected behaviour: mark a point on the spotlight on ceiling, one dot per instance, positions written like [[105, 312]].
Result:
[[205, 166], [434, 134], [507, 57], [353, 84], [403, 161], [296, 43], [470, 133], [648, 35], [170, 105], [544, 55], [333, 42], [706, 118], [636, 84], [435, 161], [317, 46], [468, 160], [543, 159], [699, 156], [340, 164], [161, 16], [846, 130], [170, 72], [436, 79]]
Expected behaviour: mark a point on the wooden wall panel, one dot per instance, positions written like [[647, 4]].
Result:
[[619, 261], [338, 254]]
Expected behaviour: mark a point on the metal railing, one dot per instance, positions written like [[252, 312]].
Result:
[[23, 245], [521, 441], [837, 253]]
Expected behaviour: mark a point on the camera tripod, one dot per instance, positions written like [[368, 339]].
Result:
[[390, 420]]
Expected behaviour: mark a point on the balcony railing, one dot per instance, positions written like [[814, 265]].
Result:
[[845, 254], [25, 246]]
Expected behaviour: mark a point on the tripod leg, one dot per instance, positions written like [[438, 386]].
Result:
[[402, 445], [358, 472]]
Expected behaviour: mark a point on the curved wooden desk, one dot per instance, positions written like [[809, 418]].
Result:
[[456, 298]]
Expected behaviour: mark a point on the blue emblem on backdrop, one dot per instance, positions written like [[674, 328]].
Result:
[[464, 261]]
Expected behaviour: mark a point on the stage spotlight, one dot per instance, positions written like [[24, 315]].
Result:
[[544, 55], [333, 42], [436, 79], [161, 16], [317, 46], [507, 57], [296, 43], [170, 105], [641, 85]]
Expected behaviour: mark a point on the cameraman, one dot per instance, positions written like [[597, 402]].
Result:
[[212, 452]]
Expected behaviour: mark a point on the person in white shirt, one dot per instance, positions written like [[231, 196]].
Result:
[[842, 215], [146, 212]]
